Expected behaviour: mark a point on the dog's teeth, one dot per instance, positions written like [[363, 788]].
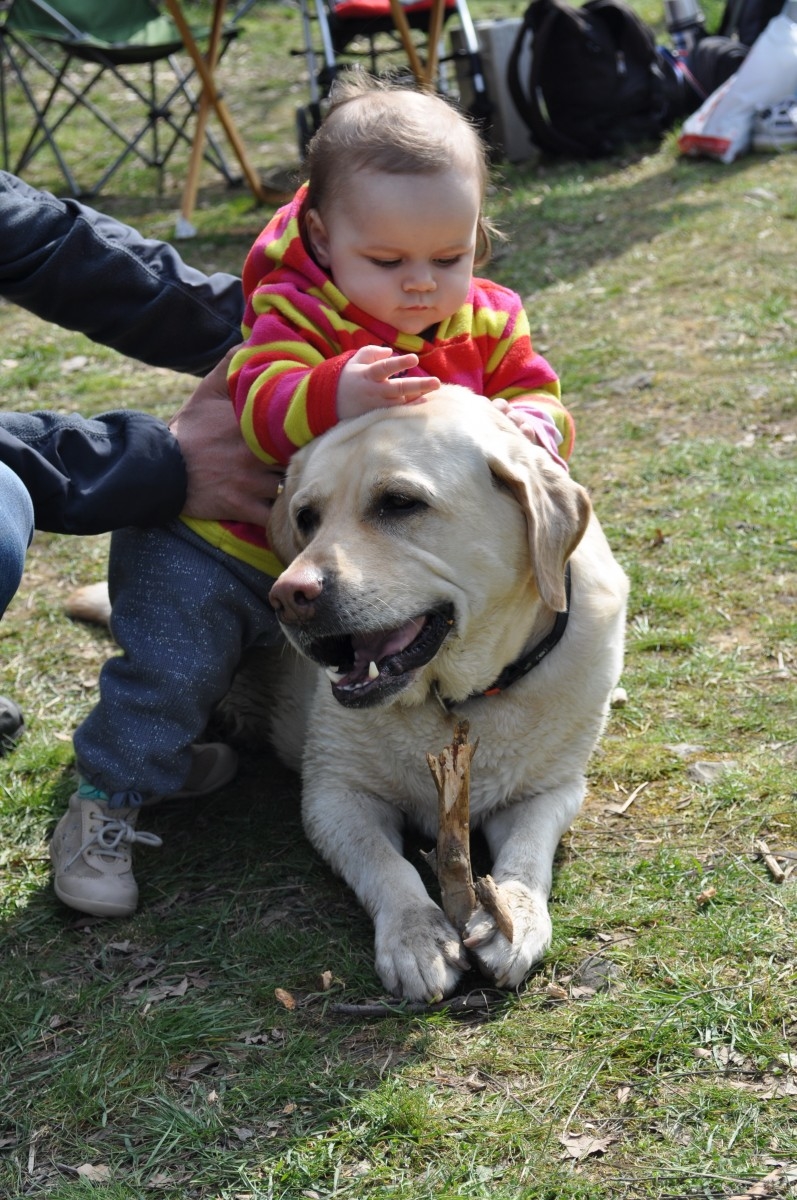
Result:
[[373, 671], [334, 674]]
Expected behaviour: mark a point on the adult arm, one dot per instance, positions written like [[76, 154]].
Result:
[[128, 468], [90, 475], [83, 270]]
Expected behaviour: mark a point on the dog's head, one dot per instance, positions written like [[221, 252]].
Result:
[[425, 544]]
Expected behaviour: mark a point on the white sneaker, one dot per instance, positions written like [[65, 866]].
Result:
[[775, 127], [91, 848], [90, 852]]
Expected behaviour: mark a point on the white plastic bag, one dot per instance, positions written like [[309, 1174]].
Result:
[[723, 126]]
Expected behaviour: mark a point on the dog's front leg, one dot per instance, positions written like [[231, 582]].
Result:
[[523, 840], [419, 955]]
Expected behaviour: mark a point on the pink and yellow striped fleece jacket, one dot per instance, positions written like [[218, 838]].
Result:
[[300, 332]]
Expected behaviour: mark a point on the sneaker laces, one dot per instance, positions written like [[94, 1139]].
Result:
[[112, 832]]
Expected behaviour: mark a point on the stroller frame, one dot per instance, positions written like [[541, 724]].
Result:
[[324, 65]]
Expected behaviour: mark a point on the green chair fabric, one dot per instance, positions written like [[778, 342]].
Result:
[[127, 39]]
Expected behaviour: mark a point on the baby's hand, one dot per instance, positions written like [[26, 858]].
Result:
[[524, 421], [365, 382], [535, 424]]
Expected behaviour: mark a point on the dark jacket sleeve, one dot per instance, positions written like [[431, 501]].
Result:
[[90, 476], [81, 269]]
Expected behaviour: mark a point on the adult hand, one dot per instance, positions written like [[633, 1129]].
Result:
[[226, 482]]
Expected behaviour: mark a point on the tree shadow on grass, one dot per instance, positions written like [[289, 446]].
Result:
[[588, 213]]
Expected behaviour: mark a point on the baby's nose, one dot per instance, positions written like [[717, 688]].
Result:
[[420, 281]]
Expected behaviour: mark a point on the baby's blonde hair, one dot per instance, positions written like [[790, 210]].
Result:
[[376, 125]]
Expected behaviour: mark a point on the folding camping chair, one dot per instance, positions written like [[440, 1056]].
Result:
[[378, 31], [60, 52]]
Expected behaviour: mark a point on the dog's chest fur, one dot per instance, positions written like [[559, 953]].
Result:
[[517, 755]]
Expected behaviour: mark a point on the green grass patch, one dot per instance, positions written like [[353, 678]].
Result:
[[654, 1053]]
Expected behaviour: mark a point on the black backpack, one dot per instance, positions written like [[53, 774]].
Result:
[[747, 19], [597, 80]]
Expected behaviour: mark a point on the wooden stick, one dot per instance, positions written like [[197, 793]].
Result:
[[460, 893], [433, 44], [472, 1001], [451, 773], [488, 896], [260, 192], [405, 33], [771, 863]]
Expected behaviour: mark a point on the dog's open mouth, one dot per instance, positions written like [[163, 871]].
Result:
[[367, 669]]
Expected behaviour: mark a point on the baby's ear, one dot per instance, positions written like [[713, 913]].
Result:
[[317, 236]]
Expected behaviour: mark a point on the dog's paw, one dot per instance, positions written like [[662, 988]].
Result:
[[508, 963], [419, 955]]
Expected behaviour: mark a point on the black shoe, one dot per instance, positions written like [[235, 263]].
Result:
[[12, 723]]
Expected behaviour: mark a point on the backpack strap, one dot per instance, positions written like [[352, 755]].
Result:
[[730, 18], [628, 29], [538, 21]]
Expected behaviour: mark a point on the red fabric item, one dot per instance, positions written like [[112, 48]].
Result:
[[372, 10]]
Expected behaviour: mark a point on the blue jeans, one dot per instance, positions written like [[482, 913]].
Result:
[[183, 614], [16, 531]]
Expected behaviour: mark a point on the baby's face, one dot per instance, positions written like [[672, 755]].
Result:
[[401, 247]]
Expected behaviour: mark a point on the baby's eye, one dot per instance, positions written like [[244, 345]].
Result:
[[448, 262], [385, 262]]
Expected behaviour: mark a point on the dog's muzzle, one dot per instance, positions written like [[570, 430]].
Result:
[[370, 667]]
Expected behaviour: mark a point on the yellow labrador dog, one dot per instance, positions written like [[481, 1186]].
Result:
[[441, 567]]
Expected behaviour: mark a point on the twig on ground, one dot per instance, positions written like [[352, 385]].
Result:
[[617, 810], [770, 861], [489, 897], [477, 1001]]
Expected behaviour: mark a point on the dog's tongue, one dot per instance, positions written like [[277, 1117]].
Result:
[[378, 647]]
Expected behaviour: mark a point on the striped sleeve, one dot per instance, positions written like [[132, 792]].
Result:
[[513, 368], [284, 385]]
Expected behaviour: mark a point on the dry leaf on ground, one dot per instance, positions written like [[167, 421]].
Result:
[[97, 1173], [768, 1186], [581, 1145]]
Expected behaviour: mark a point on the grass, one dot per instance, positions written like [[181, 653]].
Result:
[[153, 1057]]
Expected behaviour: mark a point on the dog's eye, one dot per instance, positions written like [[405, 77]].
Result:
[[399, 504], [306, 520]]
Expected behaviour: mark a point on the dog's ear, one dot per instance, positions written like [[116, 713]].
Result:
[[557, 510]]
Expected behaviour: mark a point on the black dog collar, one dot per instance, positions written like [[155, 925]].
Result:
[[528, 661]]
